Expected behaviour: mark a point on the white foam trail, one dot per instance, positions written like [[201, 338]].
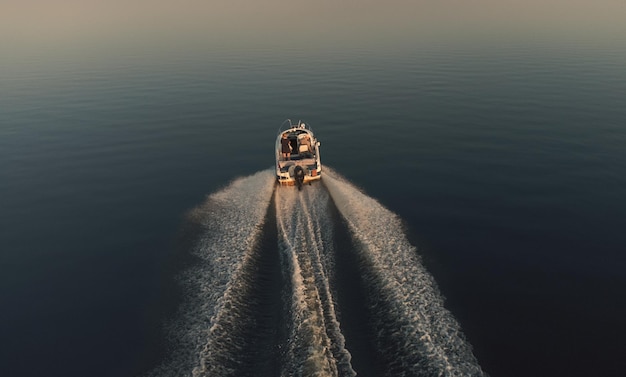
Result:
[[316, 346], [315, 202], [238, 213], [426, 331], [231, 221]]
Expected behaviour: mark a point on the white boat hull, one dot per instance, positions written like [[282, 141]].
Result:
[[304, 152]]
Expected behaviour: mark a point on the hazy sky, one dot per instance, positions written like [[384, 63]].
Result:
[[81, 20]]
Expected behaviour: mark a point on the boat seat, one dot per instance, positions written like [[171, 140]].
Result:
[[301, 162]]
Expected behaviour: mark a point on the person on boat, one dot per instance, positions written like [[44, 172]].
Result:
[[305, 140], [286, 147]]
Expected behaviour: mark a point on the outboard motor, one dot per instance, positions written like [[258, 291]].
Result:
[[298, 175]]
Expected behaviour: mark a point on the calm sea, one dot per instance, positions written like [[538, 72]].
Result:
[[503, 164]]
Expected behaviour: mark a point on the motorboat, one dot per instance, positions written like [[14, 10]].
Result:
[[297, 155]]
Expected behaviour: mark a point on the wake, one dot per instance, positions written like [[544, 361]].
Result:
[[208, 330], [416, 334], [263, 250], [316, 345]]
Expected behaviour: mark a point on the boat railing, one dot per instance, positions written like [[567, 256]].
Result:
[[288, 125]]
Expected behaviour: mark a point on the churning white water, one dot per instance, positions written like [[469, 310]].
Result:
[[231, 223], [412, 331], [424, 337], [316, 346]]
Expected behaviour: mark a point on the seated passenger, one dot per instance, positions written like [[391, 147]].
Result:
[[305, 144]]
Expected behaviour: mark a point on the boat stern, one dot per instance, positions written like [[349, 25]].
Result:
[[297, 155], [288, 175]]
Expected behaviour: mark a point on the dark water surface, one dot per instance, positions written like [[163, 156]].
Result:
[[505, 163]]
